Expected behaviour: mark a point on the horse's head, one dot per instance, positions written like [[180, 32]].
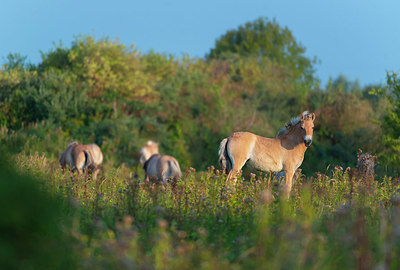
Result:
[[147, 151], [307, 126]]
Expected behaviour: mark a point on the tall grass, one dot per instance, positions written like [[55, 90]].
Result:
[[330, 221]]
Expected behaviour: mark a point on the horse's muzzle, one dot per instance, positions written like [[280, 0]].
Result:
[[307, 142]]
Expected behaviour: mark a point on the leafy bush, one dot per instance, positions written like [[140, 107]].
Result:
[[100, 91], [391, 122]]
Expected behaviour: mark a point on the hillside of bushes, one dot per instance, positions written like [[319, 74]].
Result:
[[99, 90]]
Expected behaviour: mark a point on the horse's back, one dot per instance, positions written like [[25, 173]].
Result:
[[163, 168], [240, 144], [242, 135], [242, 138]]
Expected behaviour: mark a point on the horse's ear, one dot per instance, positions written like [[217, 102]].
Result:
[[313, 116]]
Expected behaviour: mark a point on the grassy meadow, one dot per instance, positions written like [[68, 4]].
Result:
[[330, 221], [255, 79]]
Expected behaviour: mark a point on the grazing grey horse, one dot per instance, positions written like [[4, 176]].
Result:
[[79, 157], [158, 167]]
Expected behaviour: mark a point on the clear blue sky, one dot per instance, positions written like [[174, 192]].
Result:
[[358, 38]]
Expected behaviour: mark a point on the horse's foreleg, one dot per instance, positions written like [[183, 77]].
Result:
[[288, 182]]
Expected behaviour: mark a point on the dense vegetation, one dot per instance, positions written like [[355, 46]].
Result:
[[101, 91], [331, 221], [255, 79]]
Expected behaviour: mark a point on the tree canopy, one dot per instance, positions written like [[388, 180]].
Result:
[[263, 38]]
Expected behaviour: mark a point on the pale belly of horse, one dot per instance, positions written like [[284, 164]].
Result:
[[265, 165]]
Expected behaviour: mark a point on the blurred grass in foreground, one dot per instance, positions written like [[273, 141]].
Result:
[[117, 222]]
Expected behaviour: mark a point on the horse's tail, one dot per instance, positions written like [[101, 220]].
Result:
[[174, 169], [224, 158], [89, 162]]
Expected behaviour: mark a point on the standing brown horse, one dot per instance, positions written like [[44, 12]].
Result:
[[285, 153], [80, 157], [158, 167]]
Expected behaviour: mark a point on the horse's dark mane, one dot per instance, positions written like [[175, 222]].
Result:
[[291, 124], [146, 164]]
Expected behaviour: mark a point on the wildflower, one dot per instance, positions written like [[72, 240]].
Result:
[[180, 250], [338, 168], [161, 223], [344, 209], [202, 231], [267, 197], [248, 200], [159, 209], [128, 220], [181, 234]]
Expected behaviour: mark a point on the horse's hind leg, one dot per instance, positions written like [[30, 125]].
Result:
[[165, 174], [80, 171], [234, 173], [238, 155], [95, 173]]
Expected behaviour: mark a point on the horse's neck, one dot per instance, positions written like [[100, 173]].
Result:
[[295, 139]]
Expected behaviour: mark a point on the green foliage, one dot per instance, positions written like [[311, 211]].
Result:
[[255, 79], [345, 122], [391, 121], [264, 38], [30, 223], [100, 91], [106, 67], [15, 61], [330, 221]]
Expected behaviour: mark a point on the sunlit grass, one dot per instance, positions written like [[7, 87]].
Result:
[[330, 221]]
